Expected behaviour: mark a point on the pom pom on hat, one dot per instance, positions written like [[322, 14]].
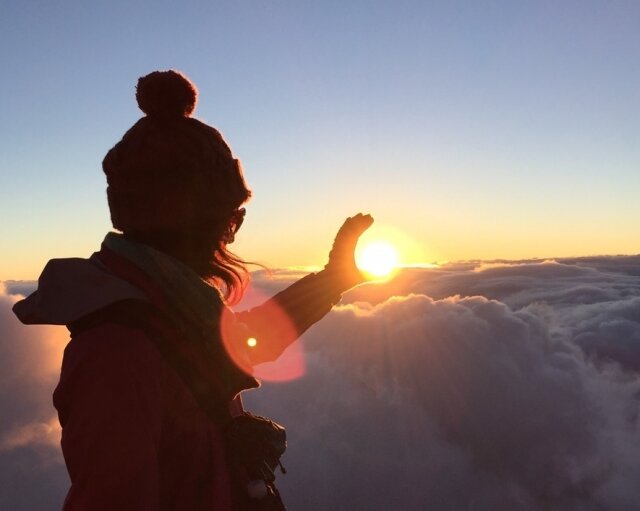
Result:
[[166, 94]]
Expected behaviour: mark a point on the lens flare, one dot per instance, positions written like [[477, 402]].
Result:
[[254, 340], [378, 259]]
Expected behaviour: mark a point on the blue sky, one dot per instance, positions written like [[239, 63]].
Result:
[[468, 129]]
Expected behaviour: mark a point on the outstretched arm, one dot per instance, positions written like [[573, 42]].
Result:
[[282, 319]]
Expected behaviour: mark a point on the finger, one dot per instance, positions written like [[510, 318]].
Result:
[[350, 232], [360, 223], [357, 221]]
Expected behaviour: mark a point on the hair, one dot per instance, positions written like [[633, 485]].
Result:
[[174, 184], [205, 252]]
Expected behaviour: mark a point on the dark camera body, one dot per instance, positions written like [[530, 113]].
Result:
[[255, 445]]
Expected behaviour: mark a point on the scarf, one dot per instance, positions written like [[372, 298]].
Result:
[[194, 306]]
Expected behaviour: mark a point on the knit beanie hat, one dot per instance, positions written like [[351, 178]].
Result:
[[171, 172]]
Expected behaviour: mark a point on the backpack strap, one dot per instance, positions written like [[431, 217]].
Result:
[[255, 444], [179, 352]]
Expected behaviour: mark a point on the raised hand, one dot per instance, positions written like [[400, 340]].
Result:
[[342, 263]]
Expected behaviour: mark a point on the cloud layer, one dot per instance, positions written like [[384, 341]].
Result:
[[477, 386], [518, 392], [32, 474]]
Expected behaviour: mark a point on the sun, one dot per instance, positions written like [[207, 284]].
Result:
[[377, 259]]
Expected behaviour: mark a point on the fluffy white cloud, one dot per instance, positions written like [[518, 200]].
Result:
[[32, 475], [468, 402], [472, 386]]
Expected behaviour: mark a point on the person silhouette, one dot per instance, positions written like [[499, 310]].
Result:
[[149, 390]]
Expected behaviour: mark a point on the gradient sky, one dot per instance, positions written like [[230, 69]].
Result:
[[470, 130]]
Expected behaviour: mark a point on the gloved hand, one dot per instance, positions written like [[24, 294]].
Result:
[[342, 264]]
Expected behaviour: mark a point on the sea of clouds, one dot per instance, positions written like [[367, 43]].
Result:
[[472, 386]]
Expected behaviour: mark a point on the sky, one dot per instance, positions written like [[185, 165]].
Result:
[[470, 130], [492, 387], [497, 138]]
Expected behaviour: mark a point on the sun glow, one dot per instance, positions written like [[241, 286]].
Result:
[[378, 259]]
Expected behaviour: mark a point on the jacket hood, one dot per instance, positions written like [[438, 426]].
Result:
[[69, 289]]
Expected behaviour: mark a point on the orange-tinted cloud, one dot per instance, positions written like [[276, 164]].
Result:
[[32, 472]]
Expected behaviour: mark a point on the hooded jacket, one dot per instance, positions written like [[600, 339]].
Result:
[[133, 435]]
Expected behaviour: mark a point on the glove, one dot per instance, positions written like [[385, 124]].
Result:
[[342, 264]]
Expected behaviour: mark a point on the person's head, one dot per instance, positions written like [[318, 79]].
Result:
[[174, 184]]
